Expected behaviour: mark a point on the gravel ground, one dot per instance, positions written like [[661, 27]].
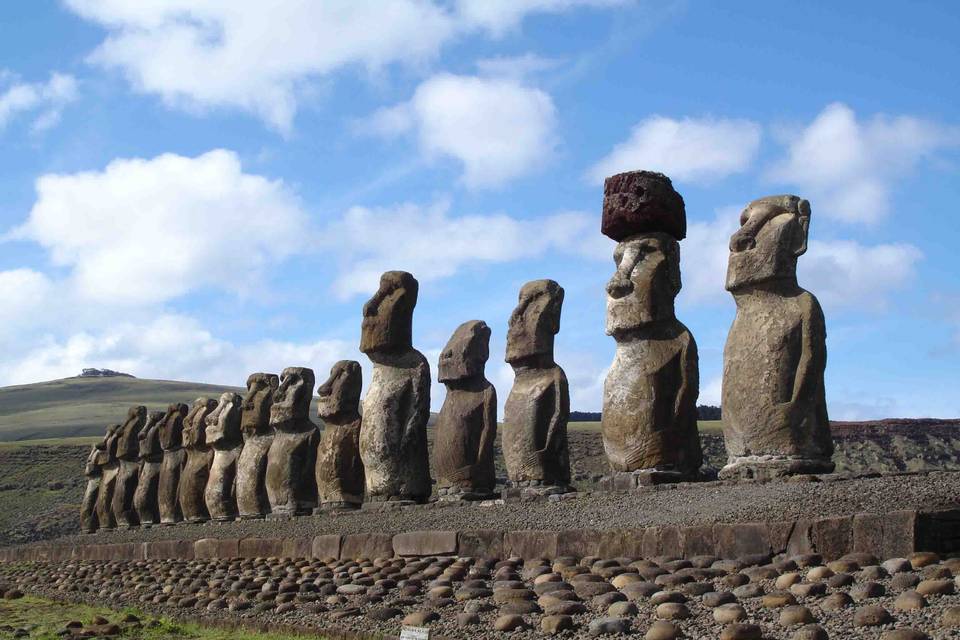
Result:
[[689, 503], [463, 598]]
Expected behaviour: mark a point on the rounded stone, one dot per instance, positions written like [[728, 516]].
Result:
[[896, 565], [466, 619], [732, 612], [667, 596], [420, 618], [840, 580], [520, 607], [623, 609], [717, 598], [867, 590], [662, 630], [602, 626], [951, 618], [836, 601], [935, 587], [923, 558], [902, 581], [819, 573], [624, 579], [672, 611], [741, 632], [777, 600], [810, 632], [552, 625], [909, 601], [872, 615], [904, 634], [747, 591], [787, 580], [509, 622], [808, 589], [384, 613], [795, 614]]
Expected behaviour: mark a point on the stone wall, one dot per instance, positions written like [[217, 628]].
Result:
[[894, 534]]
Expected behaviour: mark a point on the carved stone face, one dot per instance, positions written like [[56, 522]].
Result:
[[645, 283], [292, 399], [171, 432], [256, 404], [195, 424], [388, 316], [466, 353], [92, 469], [150, 434], [128, 446], [223, 423], [772, 235], [108, 452], [535, 320], [340, 394]]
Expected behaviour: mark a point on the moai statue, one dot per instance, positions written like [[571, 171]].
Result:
[[393, 436], [339, 468], [196, 468], [146, 498], [292, 459], [650, 394], [774, 404], [128, 469], [171, 441], [535, 415], [88, 508], [252, 501], [467, 425], [109, 469], [223, 434]]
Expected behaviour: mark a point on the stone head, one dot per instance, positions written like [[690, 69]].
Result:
[[223, 423], [255, 418], [195, 424], [150, 434], [642, 202], [171, 431], [647, 280], [388, 316], [91, 468], [772, 235], [535, 321], [466, 353], [110, 439], [128, 445], [340, 394], [293, 396]]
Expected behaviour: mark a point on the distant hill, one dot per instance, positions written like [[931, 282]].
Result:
[[84, 406]]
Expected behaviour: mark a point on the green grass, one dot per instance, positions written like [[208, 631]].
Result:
[[45, 618], [705, 426]]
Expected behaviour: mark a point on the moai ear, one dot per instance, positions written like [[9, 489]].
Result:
[[803, 228]]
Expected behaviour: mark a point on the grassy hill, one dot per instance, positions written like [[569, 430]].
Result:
[[85, 406]]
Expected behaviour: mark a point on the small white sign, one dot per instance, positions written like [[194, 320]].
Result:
[[414, 633]]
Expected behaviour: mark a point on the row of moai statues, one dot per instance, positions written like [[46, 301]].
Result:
[[261, 454]]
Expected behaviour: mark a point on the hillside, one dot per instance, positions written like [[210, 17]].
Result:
[[85, 406]]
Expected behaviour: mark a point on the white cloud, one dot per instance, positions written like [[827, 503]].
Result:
[[841, 273], [846, 167], [24, 293], [515, 67], [690, 150], [432, 244], [145, 231], [497, 128], [46, 99], [261, 57]]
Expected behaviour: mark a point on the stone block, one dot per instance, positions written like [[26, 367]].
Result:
[[327, 546], [697, 540], [217, 548], [578, 543], [800, 540], [832, 537], [939, 531], [530, 545], [889, 535], [741, 539], [661, 541], [169, 549], [621, 543], [261, 548], [425, 543], [297, 548], [485, 543], [367, 545]]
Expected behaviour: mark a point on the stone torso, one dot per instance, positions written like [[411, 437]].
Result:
[[393, 438], [535, 427], [340, 475], [290, 470], [645, 424], [463, 448], [252, 475]]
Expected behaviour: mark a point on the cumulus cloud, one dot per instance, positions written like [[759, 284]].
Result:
[[848, 167], [497, 128], [690, 149], [45, 100], [841, 273], [261, 57], [144, 231], [433, 244]]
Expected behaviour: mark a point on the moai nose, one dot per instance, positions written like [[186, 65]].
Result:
[[619, 286], [742, 242]]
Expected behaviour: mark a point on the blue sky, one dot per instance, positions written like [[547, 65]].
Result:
[[201, 189]]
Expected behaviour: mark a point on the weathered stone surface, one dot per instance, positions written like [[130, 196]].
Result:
[[164, 549], [109, 469], [145, 499], [128, 467], [339, 472], [88, 507], [775, 413], [216, 548], [393, 435], [741, 539], [531, 545], [888, 535], [480, 544], [224, 437], [261, 547], [326, 546], [252, 501], [171, 441], [642, 202], [367, 545], [199, 456], [650, 393], [535, 416], [467, 424], [425, 543], [832, 537], [292, 458]]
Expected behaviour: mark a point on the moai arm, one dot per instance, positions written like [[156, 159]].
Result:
[[561, 411], [416, 405], [689, 376], [813, 355], [485, 452]]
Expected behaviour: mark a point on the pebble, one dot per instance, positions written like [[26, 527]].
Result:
[[909, 601], [623, 609], [872, 615], [552, 625], [662, 630], [717, 598], [810, 632], [836, 601], [935, 587], [420, 618], [777, 600], [866, 591], [729, 613], [795, 614], [509, 622], [601, 626], [741, 632], [672, 611], [896, 565]]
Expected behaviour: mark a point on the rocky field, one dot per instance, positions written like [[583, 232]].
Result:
[[41, 485]]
